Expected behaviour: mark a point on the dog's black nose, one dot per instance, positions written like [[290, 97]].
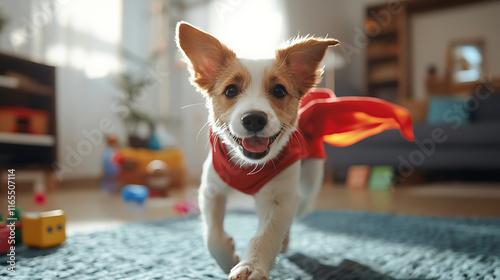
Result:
[[254, 121]]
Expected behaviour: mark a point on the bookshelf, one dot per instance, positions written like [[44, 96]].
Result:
[[386, 55], [28, 132], [387, 62]]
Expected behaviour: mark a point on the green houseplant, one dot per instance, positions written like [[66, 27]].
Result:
[[133, 85], [3, 21]]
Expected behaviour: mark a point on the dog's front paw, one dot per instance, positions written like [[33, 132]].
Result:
[[222, 250], [248, 271]]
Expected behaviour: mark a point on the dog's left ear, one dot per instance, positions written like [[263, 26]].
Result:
[[303, 57], [205, 54]]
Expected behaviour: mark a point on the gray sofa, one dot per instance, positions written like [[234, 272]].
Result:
[[473, 146]]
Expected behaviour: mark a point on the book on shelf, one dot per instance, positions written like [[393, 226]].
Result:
[[10, 82]]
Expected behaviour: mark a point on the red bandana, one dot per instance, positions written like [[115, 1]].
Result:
[[323, 117]]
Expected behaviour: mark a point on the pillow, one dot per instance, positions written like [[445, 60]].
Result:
[[486, 107], [447, 109]]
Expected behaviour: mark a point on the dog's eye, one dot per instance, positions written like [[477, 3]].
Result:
[[279, 91], [231, 91]]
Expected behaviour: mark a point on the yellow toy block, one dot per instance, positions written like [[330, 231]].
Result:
[[44, 229]]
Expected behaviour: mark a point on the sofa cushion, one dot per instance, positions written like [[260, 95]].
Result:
[[481, 133], [442, 109], [487, 108]]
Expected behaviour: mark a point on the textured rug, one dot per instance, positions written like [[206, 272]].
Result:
[[325, 245]]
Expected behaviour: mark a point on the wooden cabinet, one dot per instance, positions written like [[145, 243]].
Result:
[[386, 55], [28, 132]]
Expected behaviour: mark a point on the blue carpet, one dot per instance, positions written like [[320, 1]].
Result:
[[325, 245]]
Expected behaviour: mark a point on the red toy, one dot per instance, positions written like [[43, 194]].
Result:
[[23, 120], [186, 208], [323, 117], [4, 238], [40, 198]]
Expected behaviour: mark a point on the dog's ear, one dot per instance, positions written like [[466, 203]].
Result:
[[205, 54], [302, 57]]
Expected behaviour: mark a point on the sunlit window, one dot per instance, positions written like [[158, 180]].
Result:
[[87, 36], [468, 61], [253, 29]]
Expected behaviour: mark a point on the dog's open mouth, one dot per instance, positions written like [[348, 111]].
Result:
[[256, 147]]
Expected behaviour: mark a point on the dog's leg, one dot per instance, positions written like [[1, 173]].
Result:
[[284, 245], [212, 200], [311, 179], [276, 204]]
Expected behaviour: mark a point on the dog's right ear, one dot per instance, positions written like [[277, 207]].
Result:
[[205, 54], [303, 57]]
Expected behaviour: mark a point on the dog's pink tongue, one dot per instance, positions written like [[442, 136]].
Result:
[[255, 144]]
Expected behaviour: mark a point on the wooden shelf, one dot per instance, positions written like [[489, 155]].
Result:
[[382, 57], [36, 91], [386, 55], [9, 90], [422, 6], [384, 83], [391, 43], [27, 139], [390, 31]]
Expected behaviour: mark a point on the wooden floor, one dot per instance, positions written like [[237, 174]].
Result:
[[88, 208]]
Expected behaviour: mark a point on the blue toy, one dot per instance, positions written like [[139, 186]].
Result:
[[136, 193], [154, 142], [111, 162]]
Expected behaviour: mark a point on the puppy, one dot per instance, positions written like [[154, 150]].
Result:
[[256, 148]]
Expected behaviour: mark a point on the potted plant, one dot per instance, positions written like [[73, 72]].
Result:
[[3, 21], [131, 86]]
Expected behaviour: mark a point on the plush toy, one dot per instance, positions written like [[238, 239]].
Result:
[[111, 162], [157, 178]]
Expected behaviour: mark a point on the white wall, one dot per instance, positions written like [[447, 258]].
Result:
[[187, 112], [83, 101], [340, 19], [431, 33]]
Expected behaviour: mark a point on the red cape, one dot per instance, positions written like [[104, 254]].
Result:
[[323, 117]]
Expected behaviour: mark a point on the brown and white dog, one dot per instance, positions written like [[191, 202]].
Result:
[[253, 111]]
